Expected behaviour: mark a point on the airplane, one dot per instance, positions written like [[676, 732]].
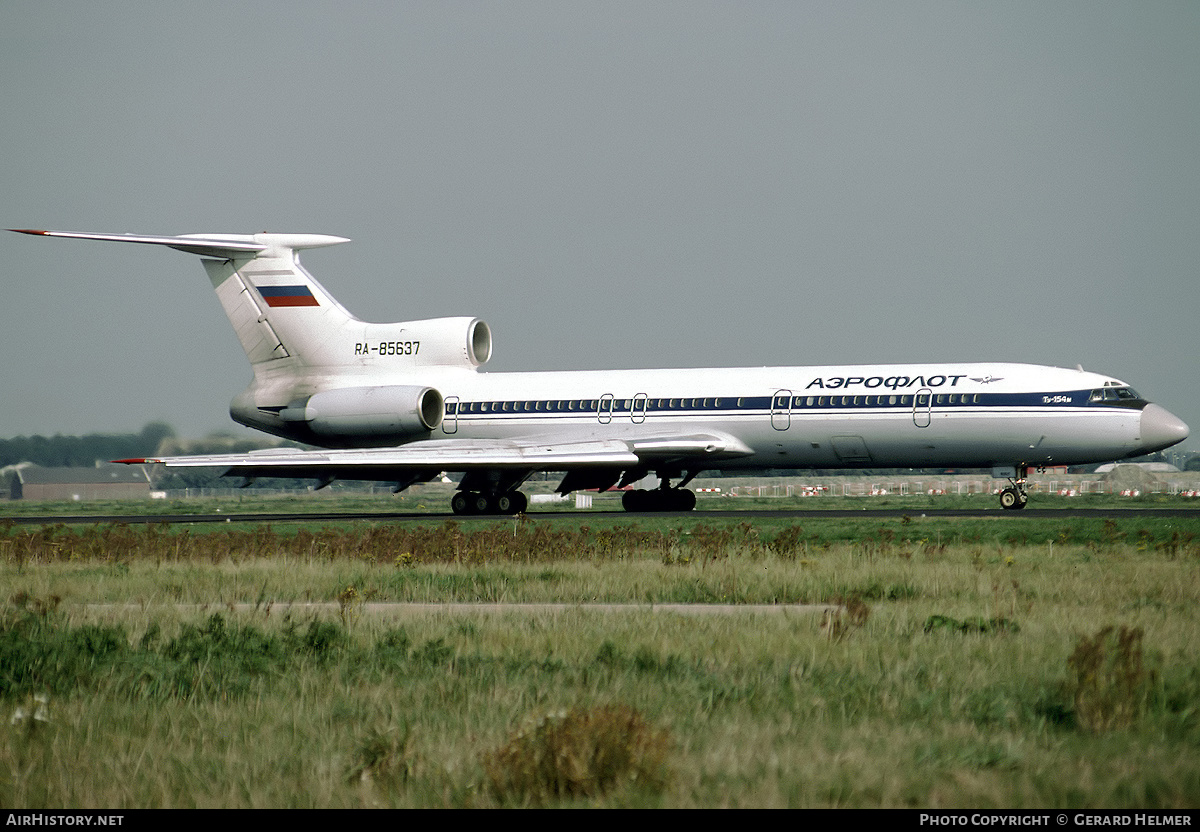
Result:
[[405, 402]]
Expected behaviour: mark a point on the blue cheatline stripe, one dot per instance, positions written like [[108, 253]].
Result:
[[794, 404]]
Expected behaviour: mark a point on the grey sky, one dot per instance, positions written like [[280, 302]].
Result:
[[608, 184]]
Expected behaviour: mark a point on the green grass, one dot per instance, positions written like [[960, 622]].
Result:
[[152, 704]]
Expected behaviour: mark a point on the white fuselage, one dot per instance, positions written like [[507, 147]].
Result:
[[966, 415]]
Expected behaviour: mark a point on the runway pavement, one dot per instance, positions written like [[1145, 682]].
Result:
[[792, 514]]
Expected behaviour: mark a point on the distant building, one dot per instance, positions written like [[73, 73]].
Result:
[[103, 482], [1149, 467]]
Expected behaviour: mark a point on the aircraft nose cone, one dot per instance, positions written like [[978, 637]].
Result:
[[1161, 429]]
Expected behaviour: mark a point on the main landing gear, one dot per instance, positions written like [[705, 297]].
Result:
[[476, 502], [659, 499], [491, 492], [485, 493], [663, 498]]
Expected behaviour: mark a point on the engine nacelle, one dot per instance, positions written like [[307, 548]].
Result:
[[394, 412], [435, 342]]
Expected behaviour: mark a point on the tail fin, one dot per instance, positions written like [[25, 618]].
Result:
[[278, 309], [254, 275], [286, 319]]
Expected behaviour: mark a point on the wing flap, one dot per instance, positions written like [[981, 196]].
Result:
[[445, 455], [702, 445]]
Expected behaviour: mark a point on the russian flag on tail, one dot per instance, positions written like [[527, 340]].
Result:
[[287, 296]]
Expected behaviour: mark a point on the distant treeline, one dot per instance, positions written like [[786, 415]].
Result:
[[155, 439], [83, 451]]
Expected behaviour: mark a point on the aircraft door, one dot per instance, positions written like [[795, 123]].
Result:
[[781, 410], [450, 419], [604, 408], [923, 407], [637, 411]]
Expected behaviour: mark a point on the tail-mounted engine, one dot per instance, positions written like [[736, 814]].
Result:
[[373, 414], [437, 342], [361, 413]]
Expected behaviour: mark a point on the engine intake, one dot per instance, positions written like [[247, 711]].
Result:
[[435, 342]]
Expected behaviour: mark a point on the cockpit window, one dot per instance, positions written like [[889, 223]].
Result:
[[1114, 394]]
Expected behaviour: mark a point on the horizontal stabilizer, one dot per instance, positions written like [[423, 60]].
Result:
[[223, 246], [220, 246]]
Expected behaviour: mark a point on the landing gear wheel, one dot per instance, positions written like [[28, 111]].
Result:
[[474, 502], [1009, 498], [683, 499], [660, 499], [634, 500], [471, 502], [482, 504], [1013, 499], [463, 502], [511, 502]]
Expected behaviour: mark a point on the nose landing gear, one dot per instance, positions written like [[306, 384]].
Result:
[[1015, 496]]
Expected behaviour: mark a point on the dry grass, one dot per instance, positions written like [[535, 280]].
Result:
[[1108, 680], [955, 677], [581, 752]]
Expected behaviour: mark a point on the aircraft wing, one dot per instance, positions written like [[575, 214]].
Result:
[[437, 455]]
